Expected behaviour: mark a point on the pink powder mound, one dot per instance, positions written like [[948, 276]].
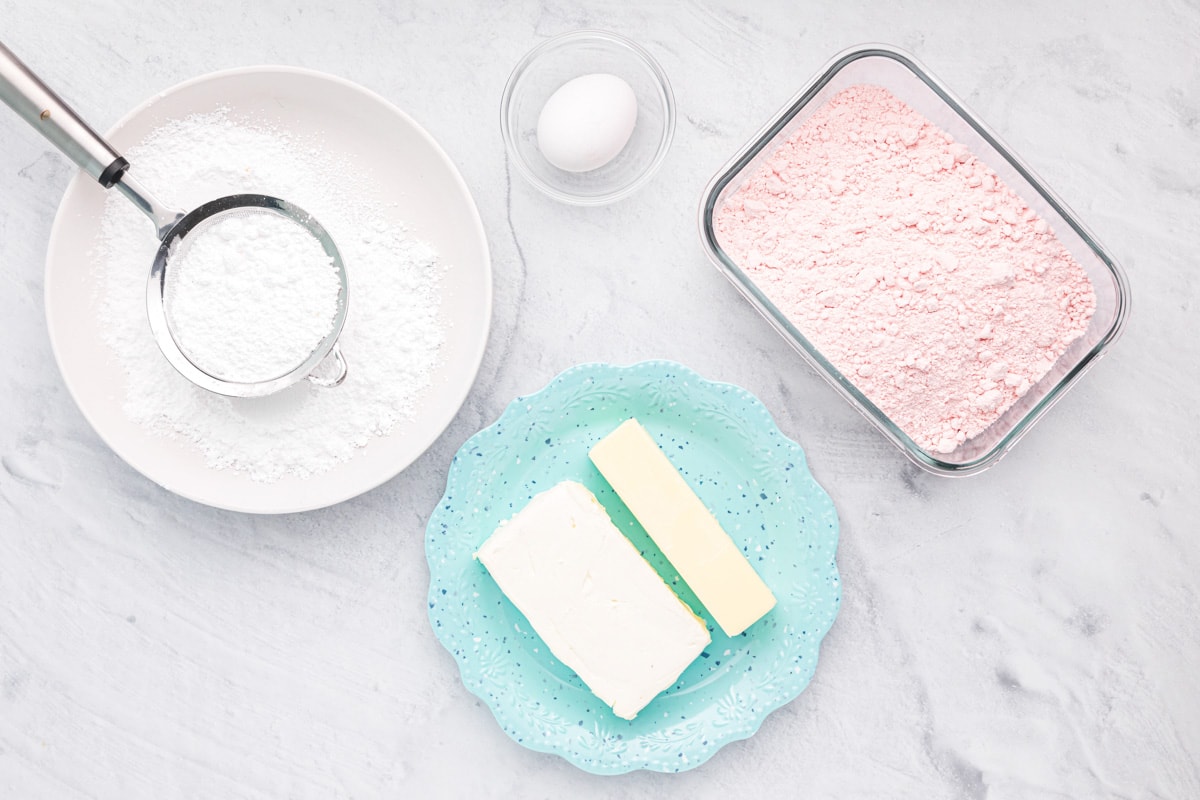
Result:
[[909, 264]]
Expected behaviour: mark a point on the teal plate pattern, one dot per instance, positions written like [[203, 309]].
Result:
[[752, 477]]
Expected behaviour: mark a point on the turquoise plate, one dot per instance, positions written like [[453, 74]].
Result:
[[749, 474]]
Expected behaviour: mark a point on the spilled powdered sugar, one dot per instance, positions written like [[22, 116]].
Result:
[[392, 334], [909, 265]]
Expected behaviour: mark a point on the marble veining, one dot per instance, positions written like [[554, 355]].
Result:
[[1029, 632]]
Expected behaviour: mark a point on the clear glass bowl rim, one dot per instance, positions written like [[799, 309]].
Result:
[[664, 144]]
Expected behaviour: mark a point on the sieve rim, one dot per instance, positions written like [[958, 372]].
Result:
[[156, 297]]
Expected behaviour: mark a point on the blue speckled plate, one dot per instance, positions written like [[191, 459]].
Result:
[[749, 474]]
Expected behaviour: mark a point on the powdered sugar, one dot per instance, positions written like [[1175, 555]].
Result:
[[250, 295], [909, 265], [392, 334]]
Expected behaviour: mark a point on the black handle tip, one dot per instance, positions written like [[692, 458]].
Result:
[[113, 172]]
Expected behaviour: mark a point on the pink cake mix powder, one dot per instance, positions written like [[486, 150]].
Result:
[[908, 264]]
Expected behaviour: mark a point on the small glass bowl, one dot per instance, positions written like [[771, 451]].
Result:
[[554, 62], [901, 74]]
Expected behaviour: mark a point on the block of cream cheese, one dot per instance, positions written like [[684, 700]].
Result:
[[682, 527], [597, 604]]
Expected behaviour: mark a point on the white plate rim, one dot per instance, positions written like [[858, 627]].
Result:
[[424, 438]]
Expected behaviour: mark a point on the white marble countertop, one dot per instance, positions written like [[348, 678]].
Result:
[[1029, 632]]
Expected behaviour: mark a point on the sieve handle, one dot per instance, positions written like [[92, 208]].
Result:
[[25, 93]]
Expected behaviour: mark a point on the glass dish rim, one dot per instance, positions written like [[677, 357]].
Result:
[[664, 142], [745, 286]]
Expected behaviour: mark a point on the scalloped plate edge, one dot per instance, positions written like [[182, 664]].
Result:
[[733, 733]]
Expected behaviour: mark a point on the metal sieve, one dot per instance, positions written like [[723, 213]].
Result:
[[34, 102]]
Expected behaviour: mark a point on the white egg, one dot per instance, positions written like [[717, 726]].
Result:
[[587, 122]]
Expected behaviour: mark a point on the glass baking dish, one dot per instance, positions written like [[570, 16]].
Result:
[[899, 73]]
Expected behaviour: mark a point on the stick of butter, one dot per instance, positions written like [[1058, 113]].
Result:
[[682, 527], [597, 604]]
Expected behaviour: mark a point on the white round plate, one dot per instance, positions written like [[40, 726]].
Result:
[[419, 187]]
